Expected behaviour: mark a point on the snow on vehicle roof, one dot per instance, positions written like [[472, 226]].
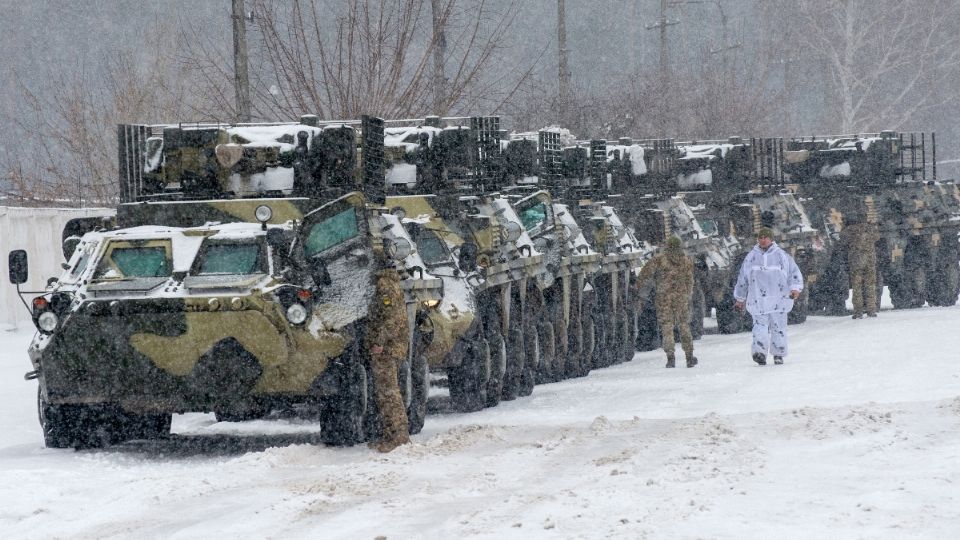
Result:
[[270, 136], [634, 151], [407, 137], [185, 242], [705, 151], [566, 219]]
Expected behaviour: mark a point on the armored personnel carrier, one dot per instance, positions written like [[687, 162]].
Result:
[[885, 179], [603, 302], [227, 304], [739, 188], [643, 186]]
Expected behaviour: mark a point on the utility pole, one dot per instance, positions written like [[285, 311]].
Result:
[[664, 62], [564, 65], [439, 55], [241, 79]]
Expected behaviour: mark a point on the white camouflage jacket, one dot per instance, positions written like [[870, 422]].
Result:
[[766, 279]]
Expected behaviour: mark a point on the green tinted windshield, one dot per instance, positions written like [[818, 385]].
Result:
[[230, 259], [331, 231], [136, 262], [430, 248], [709, 226], [533, 216]]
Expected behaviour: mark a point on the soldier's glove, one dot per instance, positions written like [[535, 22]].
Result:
[[794, 294], [738, 305]]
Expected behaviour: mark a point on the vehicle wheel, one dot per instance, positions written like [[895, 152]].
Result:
[[907, 289], [623, 347], [588, 342], [468, 381], [648, 332], [80, 426], [828, 295], [546, 339], [498, 367], [943, 278], [697, 313], [599, 358], [516, 357], [342, 415], [418, 386], [59, 424], [528, 377], [799, 312], [630, 339]]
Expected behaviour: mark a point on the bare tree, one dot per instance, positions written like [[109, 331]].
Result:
[[886, 61], [339, 60], [67, 141]]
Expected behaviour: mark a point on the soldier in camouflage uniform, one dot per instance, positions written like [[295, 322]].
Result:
[[859, 239], [386, 341], [672, 271]]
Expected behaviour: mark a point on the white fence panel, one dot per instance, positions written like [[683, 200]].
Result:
[[38, 231]]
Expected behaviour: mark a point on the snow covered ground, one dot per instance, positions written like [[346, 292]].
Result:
[[856, 436]]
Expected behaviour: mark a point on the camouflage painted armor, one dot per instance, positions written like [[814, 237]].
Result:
[[672, 271], [859, 240], [387, 342]]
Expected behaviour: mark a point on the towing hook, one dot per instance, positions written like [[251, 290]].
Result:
[[31, 375]]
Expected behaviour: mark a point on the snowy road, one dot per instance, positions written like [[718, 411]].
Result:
[[857, 436]]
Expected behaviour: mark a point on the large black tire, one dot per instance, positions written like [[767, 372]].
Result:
[[533, 355], [798, 314], [600, 331], [59, 424], [80, 425], [468, 381], [729, 320], [516, 356], [588, 333], [943, 277], [698, 307], [828, 295], [342, 415], [547, 371], [630, 341], [415, 386], [498, 366], [907, 289], [648, 331]]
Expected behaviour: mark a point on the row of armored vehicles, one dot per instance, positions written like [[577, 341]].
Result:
[[237, 275]]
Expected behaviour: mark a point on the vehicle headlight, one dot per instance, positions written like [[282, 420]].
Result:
[[48, 321], [296, 313], [398, 248], [263, 213], [511, 231]]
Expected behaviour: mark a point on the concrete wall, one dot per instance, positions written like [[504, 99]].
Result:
[[38, 231]]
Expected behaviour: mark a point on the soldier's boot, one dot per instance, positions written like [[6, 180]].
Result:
[[858, 315], [671, 361], [691, 361], [778, 360], [760, 358], [871, 314]]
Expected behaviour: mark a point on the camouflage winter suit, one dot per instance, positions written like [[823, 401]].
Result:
[[860, 242], [386, 341], [672, 272]]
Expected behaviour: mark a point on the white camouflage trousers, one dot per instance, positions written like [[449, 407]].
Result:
[[770, 332]]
